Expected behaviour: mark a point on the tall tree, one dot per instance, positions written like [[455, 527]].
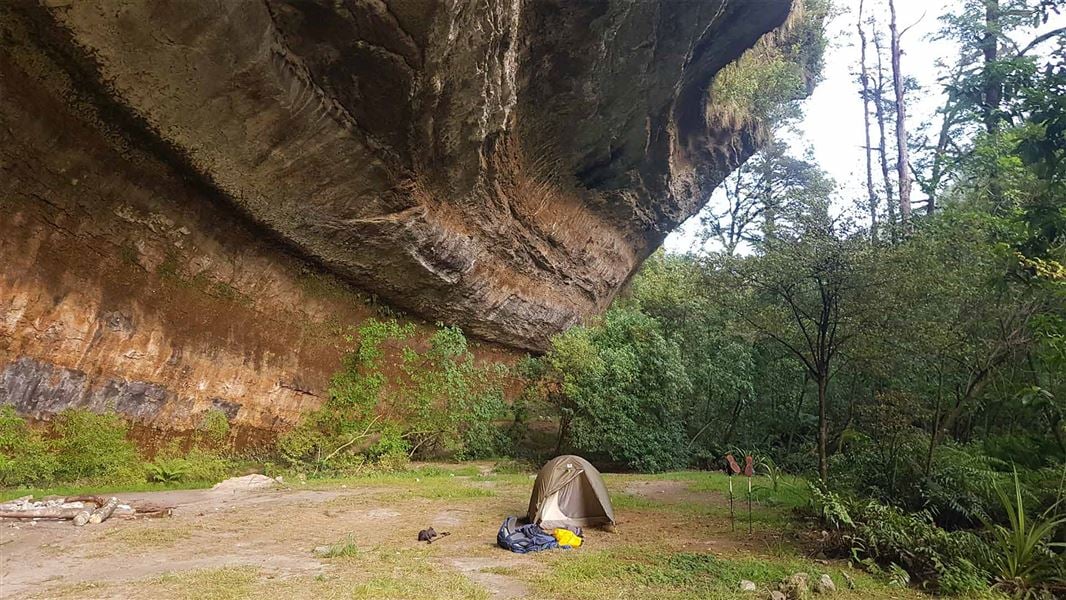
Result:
[[812, 295], [864, 82], [902, 163], [879, 107], [992, 94], [761, 198]]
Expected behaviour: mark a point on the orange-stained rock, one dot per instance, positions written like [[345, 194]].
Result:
[[191, 193]]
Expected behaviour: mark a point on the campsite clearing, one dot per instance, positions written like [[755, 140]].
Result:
[[673, 540]]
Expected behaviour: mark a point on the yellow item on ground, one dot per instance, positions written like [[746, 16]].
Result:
[[565, 537]]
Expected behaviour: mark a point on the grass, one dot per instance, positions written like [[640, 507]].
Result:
[[346, 549], [436, 489], [639, 571], [432, 583], [148, 535], [229, 583], [94, 489]]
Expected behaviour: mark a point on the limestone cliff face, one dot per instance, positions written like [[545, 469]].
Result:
[[180, 177]]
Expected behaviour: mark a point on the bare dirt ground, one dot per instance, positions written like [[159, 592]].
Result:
[[261, 543]]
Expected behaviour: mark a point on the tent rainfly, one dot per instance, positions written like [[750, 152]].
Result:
[[569, 492]]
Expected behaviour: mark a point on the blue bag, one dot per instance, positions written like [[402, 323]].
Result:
[[525, 538]]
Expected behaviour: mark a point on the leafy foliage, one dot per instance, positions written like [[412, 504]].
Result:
[[1022, 556], [437, 401], [25, 457], [616, 388], [94, 446], [905, 547]]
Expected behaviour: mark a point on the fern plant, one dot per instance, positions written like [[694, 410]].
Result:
[[1022, 558], [166, 470]]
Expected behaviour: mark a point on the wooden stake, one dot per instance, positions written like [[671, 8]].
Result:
[[749, 505], [732, 516]]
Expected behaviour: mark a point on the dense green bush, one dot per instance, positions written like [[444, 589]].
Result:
[[25, 457], [83, 447], [93, 446], [908, 548], [617, 389], [434, 400], [955, 487]]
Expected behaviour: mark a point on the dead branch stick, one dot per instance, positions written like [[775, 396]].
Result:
[[366, 432]]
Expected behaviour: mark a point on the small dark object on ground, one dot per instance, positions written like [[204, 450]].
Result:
[[430, 535]]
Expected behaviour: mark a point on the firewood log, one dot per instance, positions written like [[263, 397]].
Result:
[[102, 513], [48, 512]]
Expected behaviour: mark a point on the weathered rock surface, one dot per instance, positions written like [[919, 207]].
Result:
[[178, 179], [502, 165]]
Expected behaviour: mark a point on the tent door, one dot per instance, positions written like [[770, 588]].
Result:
[[550, 511]]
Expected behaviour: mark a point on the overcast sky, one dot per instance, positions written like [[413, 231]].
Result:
[[832, 124]]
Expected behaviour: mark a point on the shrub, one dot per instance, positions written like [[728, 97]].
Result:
[[438, 401], [213, 430], [166, 470], [25, 458], [92, 446], [196, 465], [451, 404], [957, 490], [617, 389], [1021, 555], [889, 541]]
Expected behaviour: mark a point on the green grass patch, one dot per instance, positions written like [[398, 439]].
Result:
[[95, 489], [444, 489], [229, 583], [151, 535], [647, 572], [345, 549], [625, 501]]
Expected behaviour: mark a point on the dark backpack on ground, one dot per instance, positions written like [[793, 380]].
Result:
[[524, 538]]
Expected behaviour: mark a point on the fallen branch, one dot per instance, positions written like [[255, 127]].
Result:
[[366, 433]]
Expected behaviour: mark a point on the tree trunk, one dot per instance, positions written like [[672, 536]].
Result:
[[564, 424], [731, 428], [901, 121], [823, 430], [993, 88], [879, 107], [864, 80], [799, 407]]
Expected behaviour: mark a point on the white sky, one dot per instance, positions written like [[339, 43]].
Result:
[[833, 124]]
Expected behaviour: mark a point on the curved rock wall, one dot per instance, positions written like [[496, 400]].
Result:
[[184, 182]]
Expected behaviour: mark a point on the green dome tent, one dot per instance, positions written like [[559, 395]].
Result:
[[569, 491]]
